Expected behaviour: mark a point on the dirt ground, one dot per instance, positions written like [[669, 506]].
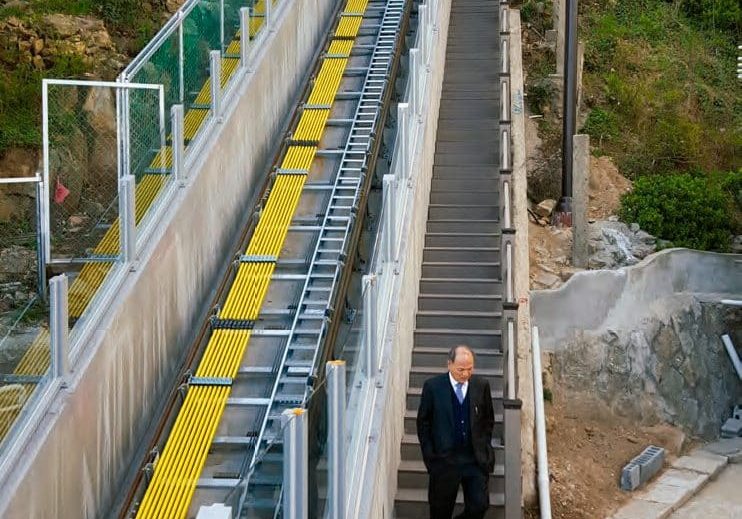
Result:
[[605, 187], [587, 448]]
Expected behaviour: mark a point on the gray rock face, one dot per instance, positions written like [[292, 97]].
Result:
[[670, 367], [613, 245]]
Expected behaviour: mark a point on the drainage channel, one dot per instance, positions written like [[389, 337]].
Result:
[[272, 331]]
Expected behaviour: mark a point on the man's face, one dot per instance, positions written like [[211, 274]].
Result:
[[462, 367]]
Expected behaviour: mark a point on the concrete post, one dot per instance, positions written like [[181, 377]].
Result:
[[560, 18], [513, 488], [295, 464], [336, 497], [580, 201]]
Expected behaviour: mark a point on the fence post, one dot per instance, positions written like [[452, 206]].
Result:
[[370, 300], [221, 26], [268, 14], [403, 114], [414, 58], [335, 371], [59, 327], [215, 67], [176, 112], [422, 16], [244, 35], [295, 464], [181, 59], [127, 218], [390, 224]]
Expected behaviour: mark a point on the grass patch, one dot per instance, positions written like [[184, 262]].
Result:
[[662, 88]]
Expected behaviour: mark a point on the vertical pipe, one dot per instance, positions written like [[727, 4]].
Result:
[[45, 209], [40, 243], [504, 100], [335, 371], [127, 219], [570, 97], [163, 123], [369, 308], [181, 59], [505, 63], [295, 464], [507, 209], [59, 327], [509, 263], [543, 461], [422, 28], [215, 66], [176, 113], [244, 35], [221, 26], [390, 238]]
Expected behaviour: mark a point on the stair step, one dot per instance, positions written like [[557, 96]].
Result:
[[465, 198], [459, 302], [479, 158], [486, 358], [457, 286], [466, 172], [458, 320], [461, 269], [467, 185], [451, 122], [454, 239], [490, 226], [413, 475], [466, 254], [413, 503], [410, 423]]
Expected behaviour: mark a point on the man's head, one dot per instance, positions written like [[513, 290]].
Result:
[[461, 363]]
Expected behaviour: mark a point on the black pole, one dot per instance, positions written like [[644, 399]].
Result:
[[563, 211]]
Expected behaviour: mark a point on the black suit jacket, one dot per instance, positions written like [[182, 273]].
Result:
[[435, 421]]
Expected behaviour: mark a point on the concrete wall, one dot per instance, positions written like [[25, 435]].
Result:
[[645, 339], [390, 402], [522, 262], [72, 464]]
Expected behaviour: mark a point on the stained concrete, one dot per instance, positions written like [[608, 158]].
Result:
[[720, 499]]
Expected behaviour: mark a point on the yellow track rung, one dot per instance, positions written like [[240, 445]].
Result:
[[311, 125], [348, 27]]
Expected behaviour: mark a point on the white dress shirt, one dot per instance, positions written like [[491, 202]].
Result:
[[464, 386]]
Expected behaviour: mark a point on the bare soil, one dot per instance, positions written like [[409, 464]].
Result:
[[588, 447], [605, 187]]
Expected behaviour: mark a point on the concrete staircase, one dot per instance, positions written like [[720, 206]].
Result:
[[460, 289]]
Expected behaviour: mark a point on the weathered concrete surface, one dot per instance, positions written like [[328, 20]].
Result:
[[645, 339], [720, 499], [74, 461], [522, 281]]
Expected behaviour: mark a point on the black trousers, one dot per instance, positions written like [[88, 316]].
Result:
[[445, 479]]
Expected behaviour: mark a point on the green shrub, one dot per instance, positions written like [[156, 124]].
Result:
[[723, 15], [688, 211]]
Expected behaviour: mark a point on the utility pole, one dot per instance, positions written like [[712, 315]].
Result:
[[562, 215]]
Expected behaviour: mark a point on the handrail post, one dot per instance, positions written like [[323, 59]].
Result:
[[414, 60], [295, 464], [127, 219], [59, 327], [215, 67], [335, 371], [403, 131], [176, 113], [244, 35], [390, 223], [370, 300], [268, 14]]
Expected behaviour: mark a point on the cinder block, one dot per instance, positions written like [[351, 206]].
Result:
[[630, 477]]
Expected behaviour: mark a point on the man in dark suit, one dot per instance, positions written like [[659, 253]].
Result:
[[454, 425]]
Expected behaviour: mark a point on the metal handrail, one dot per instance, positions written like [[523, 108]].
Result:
[[542, 456]]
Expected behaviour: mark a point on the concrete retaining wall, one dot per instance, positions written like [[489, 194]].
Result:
[[71, 466], [645, 339]]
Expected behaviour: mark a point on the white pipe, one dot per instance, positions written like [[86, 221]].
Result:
[[731, 302], [732, 354], [543, 461]]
